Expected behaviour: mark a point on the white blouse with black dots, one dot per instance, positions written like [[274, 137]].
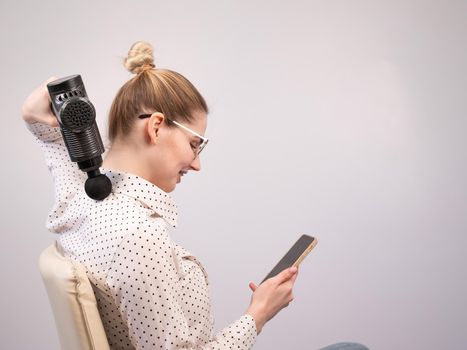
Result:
[[151, 292]]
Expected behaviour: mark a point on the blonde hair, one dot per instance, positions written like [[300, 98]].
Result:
[[152, 90]]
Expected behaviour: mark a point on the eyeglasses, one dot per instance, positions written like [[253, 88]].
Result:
[[196, 149]]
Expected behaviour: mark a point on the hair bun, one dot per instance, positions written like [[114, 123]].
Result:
[[140, 57]]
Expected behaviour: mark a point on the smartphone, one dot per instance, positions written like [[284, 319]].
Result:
[[294, 256]]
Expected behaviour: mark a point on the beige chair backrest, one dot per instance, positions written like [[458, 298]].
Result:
[[73, 302]]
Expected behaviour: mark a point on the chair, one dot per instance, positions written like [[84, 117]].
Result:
[[73, 302]]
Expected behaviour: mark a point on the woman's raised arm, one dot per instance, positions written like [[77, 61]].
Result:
[[43, 124]]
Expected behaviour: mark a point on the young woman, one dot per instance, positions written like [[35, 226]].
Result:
[[151, 292]]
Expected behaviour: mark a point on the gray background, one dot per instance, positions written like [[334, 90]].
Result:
[[341, 119]]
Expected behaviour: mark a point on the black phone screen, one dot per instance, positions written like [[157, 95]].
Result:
[[294, 256]]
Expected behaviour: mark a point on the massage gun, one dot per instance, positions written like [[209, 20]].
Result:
[[77, 119]]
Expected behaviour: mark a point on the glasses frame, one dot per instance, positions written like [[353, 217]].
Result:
[[204, 140]]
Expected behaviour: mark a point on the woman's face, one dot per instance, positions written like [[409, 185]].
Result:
[[173, 151]]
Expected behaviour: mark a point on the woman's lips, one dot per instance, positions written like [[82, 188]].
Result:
[[180, 174]]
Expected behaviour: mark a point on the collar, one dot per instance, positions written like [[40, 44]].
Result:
[[146, 192]]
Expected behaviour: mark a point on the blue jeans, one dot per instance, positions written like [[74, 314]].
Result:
[[345, 346]]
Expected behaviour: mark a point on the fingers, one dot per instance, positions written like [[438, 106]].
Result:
[[274, 294], [285, 275], [52, 78], [51, 119], [294, 277], [36, 107], [44, 86], [48, 115], [289, 300]]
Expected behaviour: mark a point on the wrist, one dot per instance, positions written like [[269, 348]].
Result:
[[257, 317]]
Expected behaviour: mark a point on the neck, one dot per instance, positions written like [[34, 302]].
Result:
[[125, 158]]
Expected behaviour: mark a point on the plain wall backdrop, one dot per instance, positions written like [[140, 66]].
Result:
[[341, 119]]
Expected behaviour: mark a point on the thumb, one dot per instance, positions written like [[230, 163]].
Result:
[[285, 275], [53, 122], [50, 118], [253, 286]]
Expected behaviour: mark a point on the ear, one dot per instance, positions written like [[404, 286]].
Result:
[[153, 126]]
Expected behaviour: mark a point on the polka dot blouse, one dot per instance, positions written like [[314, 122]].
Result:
[[151, 292]]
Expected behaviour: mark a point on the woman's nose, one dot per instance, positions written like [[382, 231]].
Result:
[[196, 164]]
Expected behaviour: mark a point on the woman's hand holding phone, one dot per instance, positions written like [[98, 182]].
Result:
[[271, 296], [275, 291]]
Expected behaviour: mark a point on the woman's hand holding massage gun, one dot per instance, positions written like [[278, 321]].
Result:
[[37, 109]]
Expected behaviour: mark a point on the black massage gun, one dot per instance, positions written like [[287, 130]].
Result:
[[77, 118]]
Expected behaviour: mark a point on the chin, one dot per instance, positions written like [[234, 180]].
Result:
[[170, 188], [167, 187]]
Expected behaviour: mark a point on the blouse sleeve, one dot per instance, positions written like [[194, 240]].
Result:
[[67, 177], [145, 285]]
